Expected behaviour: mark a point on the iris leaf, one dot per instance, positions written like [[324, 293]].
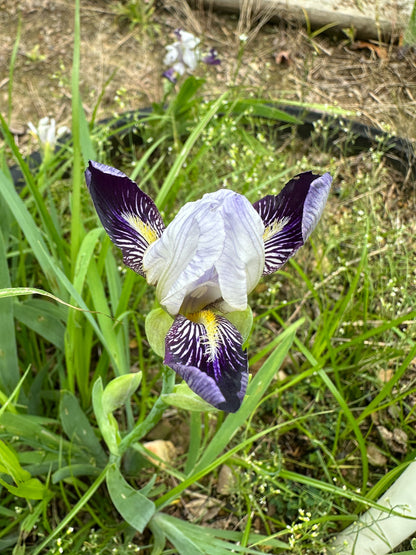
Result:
[[134, 507], [191, 539], [77, 427], [184, 398], [9, 366], [43, 317]]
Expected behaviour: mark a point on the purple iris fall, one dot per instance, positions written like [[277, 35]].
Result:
[[205, 263]]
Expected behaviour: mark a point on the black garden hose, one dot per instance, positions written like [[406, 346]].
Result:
[[398, 151]]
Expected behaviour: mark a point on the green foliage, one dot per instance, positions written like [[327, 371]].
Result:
[[26, 486], [134, 507], [137, 14], [82, 389], [410, 32]]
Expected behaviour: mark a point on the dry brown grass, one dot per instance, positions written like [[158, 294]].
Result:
[[325, 70]]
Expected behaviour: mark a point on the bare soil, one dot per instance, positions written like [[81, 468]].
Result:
[[375, 81]]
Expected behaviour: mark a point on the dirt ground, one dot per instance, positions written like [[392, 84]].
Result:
[[376, 82]]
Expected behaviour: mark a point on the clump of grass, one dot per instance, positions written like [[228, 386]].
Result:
[[137, 15]]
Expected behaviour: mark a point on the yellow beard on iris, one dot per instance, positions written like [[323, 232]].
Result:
[[209, 320], [274, 228], [145, 230]]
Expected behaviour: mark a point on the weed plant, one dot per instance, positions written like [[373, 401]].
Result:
[[332, 349]]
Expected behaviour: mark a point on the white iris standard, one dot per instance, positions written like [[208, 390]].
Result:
[[212, 251], [205, 263]]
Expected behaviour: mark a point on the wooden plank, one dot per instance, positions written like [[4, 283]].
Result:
[[378, 19]]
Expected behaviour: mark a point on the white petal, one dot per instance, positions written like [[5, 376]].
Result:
[[191, 58], [212, 250], [183, 255], [179, 68], [46, 130], [33, 128], [172, 54], [189, 40], [242, 261], [51, 133], [315, 203], [62, 130]]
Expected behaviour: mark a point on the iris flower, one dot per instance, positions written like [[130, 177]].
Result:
[[47, 133], [205, 263], [184, 54]]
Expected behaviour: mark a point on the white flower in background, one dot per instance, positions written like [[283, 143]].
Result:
[[46, 132], [205, 263], [184, 55]]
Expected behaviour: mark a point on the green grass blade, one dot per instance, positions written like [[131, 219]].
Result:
[[388, 387], [31, 232], [52, 233], [11, 69], [410, 31], [72, 513], [353, 423], [99, 299], [9, 365], [343, 405], [255, 392], [78, 341], [167, 498], [163, 194], [44, 318], [77, 228], [194, 441]]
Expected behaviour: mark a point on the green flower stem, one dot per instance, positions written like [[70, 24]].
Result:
[[154, 415]]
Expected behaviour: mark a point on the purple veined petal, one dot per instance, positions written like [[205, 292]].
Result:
[[170, 74], [206, 351], [290, 217], [128, 215], [212, 58]]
